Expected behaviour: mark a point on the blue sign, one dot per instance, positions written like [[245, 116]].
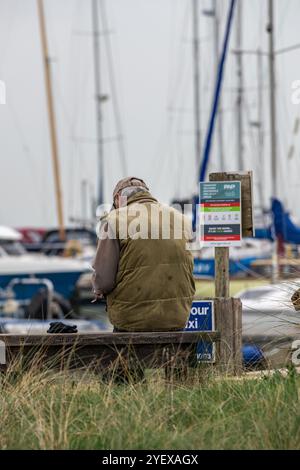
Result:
[[202, 318]]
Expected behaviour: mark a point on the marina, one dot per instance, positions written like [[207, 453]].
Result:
[[46, 273], [175, 280]]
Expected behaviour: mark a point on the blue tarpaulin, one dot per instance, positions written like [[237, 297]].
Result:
[[284, 227]]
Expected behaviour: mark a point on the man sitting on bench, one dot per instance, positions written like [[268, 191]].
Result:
[[142, 265]]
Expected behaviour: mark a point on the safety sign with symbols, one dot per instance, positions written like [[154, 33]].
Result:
[[220, 214]]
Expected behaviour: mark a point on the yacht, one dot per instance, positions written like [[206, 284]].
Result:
[[15, 262]]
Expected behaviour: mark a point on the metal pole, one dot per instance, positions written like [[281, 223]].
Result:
[[273, 109], [239, 45], [51, 116], [84, 201], [260, 123], [196, 83], [220, 115], [99, 130]]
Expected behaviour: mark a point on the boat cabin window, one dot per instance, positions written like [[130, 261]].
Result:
[[84, 237], [11, 248]]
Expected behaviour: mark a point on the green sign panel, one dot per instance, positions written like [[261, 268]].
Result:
[[220, 214]]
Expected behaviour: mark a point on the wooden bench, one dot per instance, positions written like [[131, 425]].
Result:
[[105, 350], [150, 350]]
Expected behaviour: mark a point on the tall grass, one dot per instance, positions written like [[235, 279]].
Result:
[[50, 410]]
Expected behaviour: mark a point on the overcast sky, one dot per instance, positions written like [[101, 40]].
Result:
[[152, 57]]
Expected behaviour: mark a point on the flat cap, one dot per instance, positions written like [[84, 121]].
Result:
[[127, 182]]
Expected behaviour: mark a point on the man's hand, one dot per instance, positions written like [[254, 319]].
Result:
[[97, 296]]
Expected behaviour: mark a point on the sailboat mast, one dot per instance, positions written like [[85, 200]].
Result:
[[97, 69], [273, 109], [51, 115], [260, 108], [196, 83], [239, 45], [217, 54]]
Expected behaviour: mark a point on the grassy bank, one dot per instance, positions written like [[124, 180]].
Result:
[[42, 411]]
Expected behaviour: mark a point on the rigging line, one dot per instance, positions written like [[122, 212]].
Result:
[[254, 145], [177, 83], [161, 146], [171, 46], [261, 21], [179, 71], [282, 141], [25, 147], [75, 121], [283, 18], [79, 67], [74, 145], [179, 150], [178, 120], [230, 146], [179, 147], [5, 44], [178, 91], [118, 120], [172, 69], [166, 139], [120, 93]]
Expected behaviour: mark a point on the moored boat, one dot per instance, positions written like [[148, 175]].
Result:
[[15, 262]]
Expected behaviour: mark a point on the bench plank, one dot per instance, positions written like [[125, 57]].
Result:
[[106, 339]]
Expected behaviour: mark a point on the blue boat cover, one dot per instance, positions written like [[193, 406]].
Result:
[[252, 355], [284, 227]]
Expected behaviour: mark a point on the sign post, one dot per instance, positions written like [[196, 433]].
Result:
[[226, 215], [221, 226]]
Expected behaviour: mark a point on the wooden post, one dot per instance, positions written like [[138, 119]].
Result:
[[222, 282], [228, 317], [222, 254], [246, 180]]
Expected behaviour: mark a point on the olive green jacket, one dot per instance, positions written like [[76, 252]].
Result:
[[154, 285]]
